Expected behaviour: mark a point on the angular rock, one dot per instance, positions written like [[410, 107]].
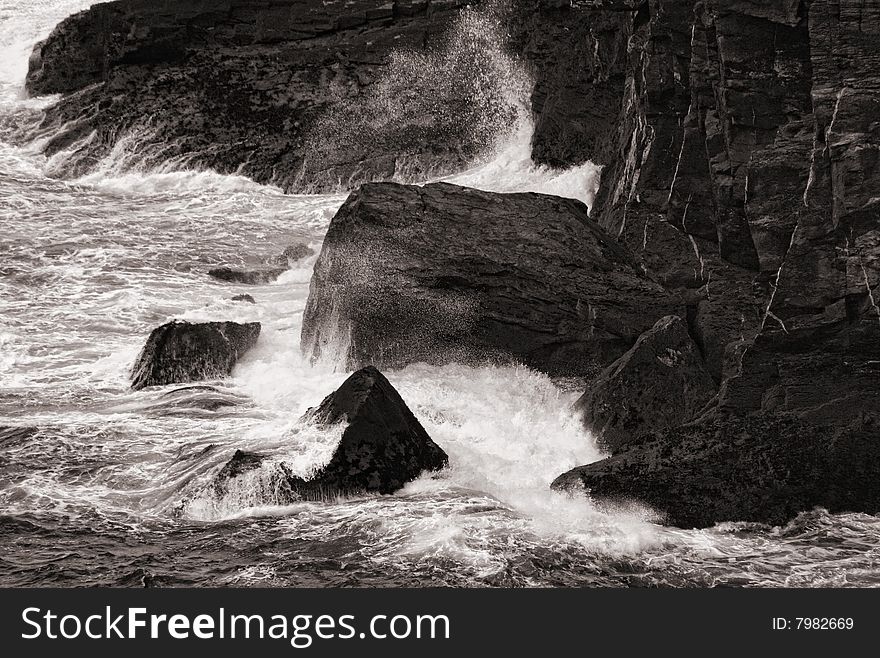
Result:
[[247, 277], [661, 382], [181, 352], [382, 448], [443, 273], [244, 298], [763, 469]]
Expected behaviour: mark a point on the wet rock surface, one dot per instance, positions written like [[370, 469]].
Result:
[[765, 469], [257, 277], [180, 352], [661, 382], [443, 273], [383, 446]]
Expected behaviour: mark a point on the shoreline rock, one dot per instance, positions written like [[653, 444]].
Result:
[[383, 446], [660, 382], [763, 469], [443, 273], [183, 352]]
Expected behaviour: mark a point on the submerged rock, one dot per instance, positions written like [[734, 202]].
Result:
[[244, 298], [295, 253], [443, 273], [763, 469], [180, 352], [661, 382], [383, 446], [248, 277]]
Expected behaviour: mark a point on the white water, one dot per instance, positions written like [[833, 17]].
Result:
[[89, 267]]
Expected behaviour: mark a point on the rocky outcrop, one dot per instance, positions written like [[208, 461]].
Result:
[[383, 446], [764, 469], [743, 171], [180, 352], [443, 273], [304, 94], [247, 277], [311, 96], [661, 382], [294, 253]]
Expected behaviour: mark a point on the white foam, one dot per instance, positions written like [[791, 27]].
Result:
[[511, 169]]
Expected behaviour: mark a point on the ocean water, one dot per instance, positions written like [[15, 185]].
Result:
[[103, 486]]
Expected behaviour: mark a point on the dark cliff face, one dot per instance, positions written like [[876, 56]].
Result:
[[312, 95], [743, 169], [239, 86]]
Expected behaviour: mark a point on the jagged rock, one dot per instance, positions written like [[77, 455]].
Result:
[[443, 273], [382, 448], [247, 277], [244, 298], [242, 462], [180, 352], [736, 171], [295, 93], [765, 469], [661, 382]]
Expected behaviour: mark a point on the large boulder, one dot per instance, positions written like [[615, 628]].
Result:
[[762, 469], [383, 446], [181, 352], [444, 273], [661, 382]]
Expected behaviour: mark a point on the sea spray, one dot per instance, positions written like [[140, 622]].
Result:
[[469, 91]]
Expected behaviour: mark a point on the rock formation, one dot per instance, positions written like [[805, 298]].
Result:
[[442, 273], [301, 93], [382, 448], [740, 142], [661, 382], [181, 352], [765, 469], [247, 277]]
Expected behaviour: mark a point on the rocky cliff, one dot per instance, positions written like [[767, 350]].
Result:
[[312, 95], [744, 168]]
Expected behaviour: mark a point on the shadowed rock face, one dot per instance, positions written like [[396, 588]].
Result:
[[661, 382], [249, 87], [180, 352], [743, 169], [443, 273], [383, 445], [765, 469]]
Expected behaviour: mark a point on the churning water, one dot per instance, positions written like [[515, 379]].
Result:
[[108, 489]]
